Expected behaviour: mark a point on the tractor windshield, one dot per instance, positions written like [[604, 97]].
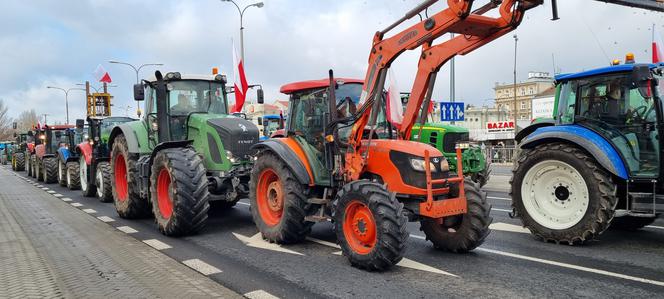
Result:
[[188, 96], [271, 125], [615, 108]]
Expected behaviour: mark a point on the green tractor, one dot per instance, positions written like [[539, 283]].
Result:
[[19, 154], [186, 152]]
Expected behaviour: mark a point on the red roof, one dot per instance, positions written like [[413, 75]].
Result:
[[311, 84], [60, 127]]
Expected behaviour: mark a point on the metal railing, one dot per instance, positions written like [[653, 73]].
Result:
[[500, 154]]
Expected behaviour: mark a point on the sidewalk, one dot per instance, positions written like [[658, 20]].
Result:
[[48, 249]]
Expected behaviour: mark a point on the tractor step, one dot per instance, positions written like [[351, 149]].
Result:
[[317, 218], [317, 201]]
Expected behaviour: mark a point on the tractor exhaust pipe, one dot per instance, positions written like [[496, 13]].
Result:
[[554, 10]]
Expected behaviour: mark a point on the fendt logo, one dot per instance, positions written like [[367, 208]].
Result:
[[243, 127], [406, 37]]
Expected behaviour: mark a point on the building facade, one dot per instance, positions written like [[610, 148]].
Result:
[[536, 83]]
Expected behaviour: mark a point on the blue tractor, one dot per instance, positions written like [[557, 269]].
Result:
[[596, 163], [270, 124]]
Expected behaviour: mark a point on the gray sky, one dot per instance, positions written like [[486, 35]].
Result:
[[61, 43]]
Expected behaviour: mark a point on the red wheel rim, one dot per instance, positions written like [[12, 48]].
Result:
[[270, 197], [120, 173], [164, 193], [359, 227]]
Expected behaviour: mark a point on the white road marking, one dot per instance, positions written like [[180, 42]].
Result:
[[201, 266], [57, 195], [654, 226], [156, 244], [66, 199], [258, 242], [405, 262], [89, 211], [506, 227], [106, 219], [575, 267], [75, 204], [501, 210], [260, 294], [43, 188], [50, 191], [244, 203], [126, 229], [501, 198]]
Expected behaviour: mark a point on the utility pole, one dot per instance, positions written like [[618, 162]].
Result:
[[516, 109], [452, 93]]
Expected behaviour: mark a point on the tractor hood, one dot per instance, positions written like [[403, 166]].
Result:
[[237, 135]]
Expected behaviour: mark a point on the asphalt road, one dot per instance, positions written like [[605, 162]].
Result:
[[511, 263]]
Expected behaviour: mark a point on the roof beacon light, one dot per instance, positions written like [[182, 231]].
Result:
[[629, 58], [215, 70], [615, 62]]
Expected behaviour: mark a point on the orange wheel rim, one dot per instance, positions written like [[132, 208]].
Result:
[[164, 200], [359, 227], [270, 197]]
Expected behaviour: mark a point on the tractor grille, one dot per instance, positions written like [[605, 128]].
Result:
[[451, 139], [415, 178], [236, 134]]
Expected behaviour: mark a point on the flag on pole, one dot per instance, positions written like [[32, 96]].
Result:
[[102, 75], [239, 81], [657, 46], [394, 105]]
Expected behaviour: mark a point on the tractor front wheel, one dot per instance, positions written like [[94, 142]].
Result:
[[370, 225], [38, 172], [465, 232], [50, 170], [126, 197], [62, 173], [103, 182], [87, 189], [73, 176], [179, 191], [278, 201], [28, 165], [561, 194], [20, 161]]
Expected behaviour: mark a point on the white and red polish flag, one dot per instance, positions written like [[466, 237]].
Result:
[[239, 81], [657, 46], [394, 105], [102, 75]]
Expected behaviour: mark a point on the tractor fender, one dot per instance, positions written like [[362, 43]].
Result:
[[63, 154], [531, 128], [598, 147], [85, 149], [169, 144], [130, 136], [288, 156]]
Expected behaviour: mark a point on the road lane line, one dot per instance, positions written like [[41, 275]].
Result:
[[89, 211], [201, 266], [501, 210], [126, 229], [506, 227], [655, 226], [58, 195], [67, 199], [50, 191], [260, 294], [575, 267], [243, 203], [501, 198], [156, 244], [75, 204], [257, 241], [106, 219]]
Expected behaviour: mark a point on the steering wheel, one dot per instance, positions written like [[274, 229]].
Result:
[[635, 114]]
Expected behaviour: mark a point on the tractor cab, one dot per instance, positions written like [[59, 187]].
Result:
[[271, 123], [622, 104], [54, 137]]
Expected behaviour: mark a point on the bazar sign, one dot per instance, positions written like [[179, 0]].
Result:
[[501, 126]]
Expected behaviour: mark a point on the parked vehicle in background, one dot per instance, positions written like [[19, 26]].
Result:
[[67, 153], [46, 162], [269, 124]]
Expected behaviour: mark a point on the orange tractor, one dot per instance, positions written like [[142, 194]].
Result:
[[332, 165]]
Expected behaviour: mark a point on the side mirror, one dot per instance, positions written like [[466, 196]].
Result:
[[642, 79], [259, 120], [139, 92], [260, 98], [80, 123]]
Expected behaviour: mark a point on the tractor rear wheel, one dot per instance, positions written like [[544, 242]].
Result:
[[278, 201], [465, 232], [62, 173], [103, 182], [370, 225], [631, 223], [50, 170], [20, 161], [128, 202], [73, 178], [179, 191], [84, 174], [561, 194]]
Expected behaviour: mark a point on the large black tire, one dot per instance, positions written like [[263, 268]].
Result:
[[103, 182], [28, 165], [462, 233], [62, 173], [631, 223], [87, 179], [39, 170], [179, 191], [126, 196], [370, 225], [19, 160], [482, 177], [50, 170], [73, 176], [602, 198], [279, 208]]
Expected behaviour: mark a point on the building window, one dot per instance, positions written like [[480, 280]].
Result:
[[523, 105], [531, 90]]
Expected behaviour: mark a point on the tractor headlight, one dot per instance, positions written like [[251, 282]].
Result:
[[462, 145], [231, 157], [418, 165]]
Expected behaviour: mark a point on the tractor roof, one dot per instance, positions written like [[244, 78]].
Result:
[[603, 71], [60, 127], [313, 84], [208, 77], [271, 116]]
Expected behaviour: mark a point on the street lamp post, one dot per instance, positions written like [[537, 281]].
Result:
[[95, 88], [66, 91], [516, 127], [241, 11], [138, 79]]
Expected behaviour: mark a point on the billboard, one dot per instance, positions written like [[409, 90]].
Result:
[[542, 107]]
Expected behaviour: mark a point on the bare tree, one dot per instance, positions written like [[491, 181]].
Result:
[[6, 130], [26, 120]]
